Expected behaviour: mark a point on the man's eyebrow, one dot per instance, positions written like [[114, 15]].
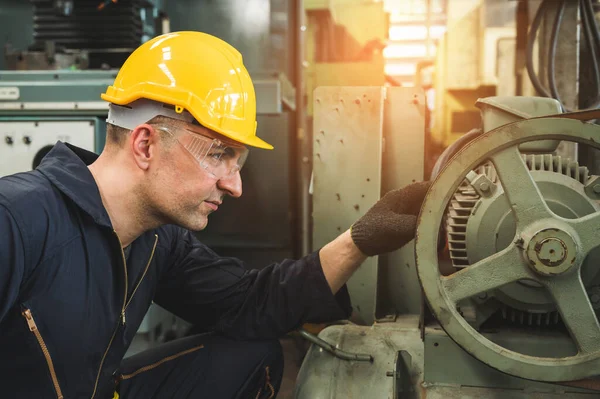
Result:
[[229, 152]]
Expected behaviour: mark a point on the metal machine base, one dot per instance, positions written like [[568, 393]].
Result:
[[398, 369]]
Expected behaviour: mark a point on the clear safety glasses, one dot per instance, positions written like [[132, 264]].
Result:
[[217, 158]]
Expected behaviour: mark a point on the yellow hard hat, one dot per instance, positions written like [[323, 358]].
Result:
[[193, 72]]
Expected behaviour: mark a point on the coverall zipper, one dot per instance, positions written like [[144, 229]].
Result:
[[125, 303], [33, 328], [143, 274], [158, 363]]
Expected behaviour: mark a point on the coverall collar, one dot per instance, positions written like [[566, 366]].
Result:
[[66, 167]]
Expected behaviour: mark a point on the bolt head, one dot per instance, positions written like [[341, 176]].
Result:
[[484, 186], [596, 188]]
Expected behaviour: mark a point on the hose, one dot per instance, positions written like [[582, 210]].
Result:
[[552, 52], [341, 354], [592, 36], [535, 25]]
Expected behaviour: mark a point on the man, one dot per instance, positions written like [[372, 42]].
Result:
[[89, 242]]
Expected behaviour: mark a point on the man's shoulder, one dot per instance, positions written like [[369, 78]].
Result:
[[19, 187], [25, 194]]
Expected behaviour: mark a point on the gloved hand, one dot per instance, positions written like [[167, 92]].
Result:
[[391, 222]]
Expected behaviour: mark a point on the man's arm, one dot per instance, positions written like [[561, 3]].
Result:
[[339, 259], [221, 294]]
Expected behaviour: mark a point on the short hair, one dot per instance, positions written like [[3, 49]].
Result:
[[117, 135]]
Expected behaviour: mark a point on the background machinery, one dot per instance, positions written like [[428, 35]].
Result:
[[506, 256], [498, 296]]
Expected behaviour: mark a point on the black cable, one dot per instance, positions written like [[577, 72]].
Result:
[[552, 52], [592, 37], [591, 22], [535, 25]]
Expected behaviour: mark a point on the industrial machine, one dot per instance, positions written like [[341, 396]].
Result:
[[498, 295]]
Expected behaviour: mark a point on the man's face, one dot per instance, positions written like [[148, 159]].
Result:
[[183, 190]]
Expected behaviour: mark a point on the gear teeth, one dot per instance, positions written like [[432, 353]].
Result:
[[456, 225], [465, 199], [521, 317]]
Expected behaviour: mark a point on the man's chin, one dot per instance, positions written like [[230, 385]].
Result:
[[197, 225], [193, 224]]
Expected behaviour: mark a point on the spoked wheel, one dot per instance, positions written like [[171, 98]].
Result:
[[547, 249]]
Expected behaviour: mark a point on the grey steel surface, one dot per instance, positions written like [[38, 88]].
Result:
[[447, 363], [347, 154], [532, 215], [402, 163], [323, 376], [368, 141], [501, 110]]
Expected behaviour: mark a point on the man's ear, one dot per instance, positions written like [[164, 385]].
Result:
[[143, 143]]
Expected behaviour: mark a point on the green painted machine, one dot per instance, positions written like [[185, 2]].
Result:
[[499, 295]]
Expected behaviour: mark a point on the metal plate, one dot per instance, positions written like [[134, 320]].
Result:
[[403, 163], [347, 146]]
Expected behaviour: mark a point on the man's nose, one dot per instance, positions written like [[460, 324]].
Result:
[[232, 185]]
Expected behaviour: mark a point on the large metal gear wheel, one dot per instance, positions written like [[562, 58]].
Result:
[[480, 225], [546, 248]]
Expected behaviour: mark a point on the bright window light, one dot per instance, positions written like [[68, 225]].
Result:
[[407, 51], [408, 32], [400, 69], [418, 32]]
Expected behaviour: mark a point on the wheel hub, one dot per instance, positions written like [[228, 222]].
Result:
[[551, 252]]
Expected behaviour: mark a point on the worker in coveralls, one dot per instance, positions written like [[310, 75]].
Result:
[[89, 242]]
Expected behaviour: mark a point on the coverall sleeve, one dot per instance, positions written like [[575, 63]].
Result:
[[221, 294], [12, 261]]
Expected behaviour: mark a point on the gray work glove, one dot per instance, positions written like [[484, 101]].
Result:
[[391, 222]]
